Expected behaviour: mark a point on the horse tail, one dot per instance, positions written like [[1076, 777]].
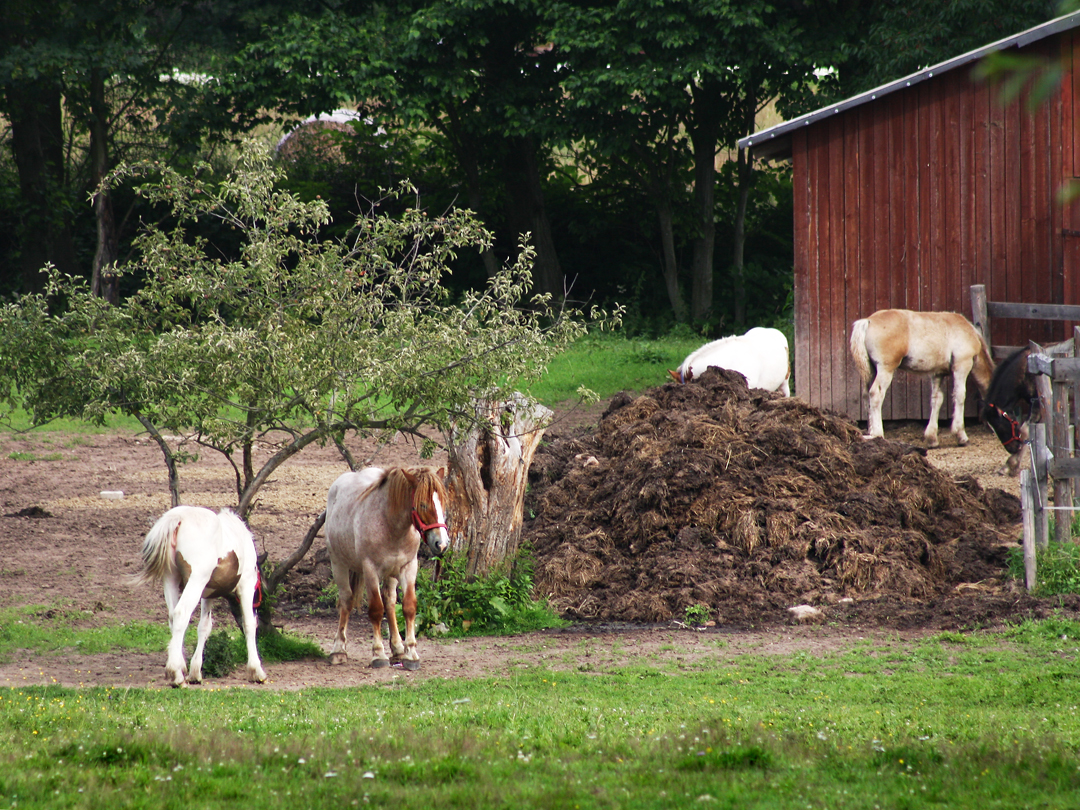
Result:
[[858, 349], [983, 368], [157, 549]]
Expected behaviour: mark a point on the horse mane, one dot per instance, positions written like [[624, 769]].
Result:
[[983, 368], [1007, 381], [401, 492]]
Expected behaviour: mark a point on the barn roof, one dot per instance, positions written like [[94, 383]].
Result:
[[775, 142]]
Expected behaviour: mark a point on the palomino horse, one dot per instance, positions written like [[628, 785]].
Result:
[[375, 519], [200, 555], [934, 343], [761, 355]]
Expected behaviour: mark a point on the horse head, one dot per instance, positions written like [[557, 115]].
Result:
[[1011, 401], [1006, 427], [428, 517]]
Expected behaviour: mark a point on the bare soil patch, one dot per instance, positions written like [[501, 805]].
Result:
[[914, 539]]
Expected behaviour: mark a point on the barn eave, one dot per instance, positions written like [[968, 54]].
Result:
[[774, 143]]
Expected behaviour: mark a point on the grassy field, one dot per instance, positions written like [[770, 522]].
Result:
[[987, 720], [604, 363], [976, 720]]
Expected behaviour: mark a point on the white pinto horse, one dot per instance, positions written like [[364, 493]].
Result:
[[935, 343], [375, 519], [761, 355], [200, 555]]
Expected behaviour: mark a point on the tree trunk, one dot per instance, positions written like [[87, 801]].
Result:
[[103, 281], [488, 473], [670, 263], [744, 178], [738, 264], [528, 214], [704, 134], [37, 137], [465, 149]]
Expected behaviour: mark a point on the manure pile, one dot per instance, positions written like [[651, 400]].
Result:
[[748, 502]]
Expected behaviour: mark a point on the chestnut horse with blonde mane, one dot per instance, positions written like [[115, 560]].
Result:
[[375, 520], [935, 343]]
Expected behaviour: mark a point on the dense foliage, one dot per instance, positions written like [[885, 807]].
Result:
[[603, 128], [295, 339]]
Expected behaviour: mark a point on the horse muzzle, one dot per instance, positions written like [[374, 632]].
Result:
[[438, 540], [434, 534]]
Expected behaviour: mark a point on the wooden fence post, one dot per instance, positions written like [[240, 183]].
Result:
[[1039, 485], [1027, 505], [980, 319], [1059, 446]]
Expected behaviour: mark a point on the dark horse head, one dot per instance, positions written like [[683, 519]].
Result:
[[1011, 401]]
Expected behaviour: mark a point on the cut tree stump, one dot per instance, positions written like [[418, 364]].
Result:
[[486, 480]]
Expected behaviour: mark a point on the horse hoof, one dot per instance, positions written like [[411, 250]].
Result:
[[338, 658], [379, 663], [412, 666]]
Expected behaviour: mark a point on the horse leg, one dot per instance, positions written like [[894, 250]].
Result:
[[960, 375], [180, 610], [389, 595], [348, 591], [206, 624], [375, 615], [937, 396], [411, 659], [878, 388], [255, 671]]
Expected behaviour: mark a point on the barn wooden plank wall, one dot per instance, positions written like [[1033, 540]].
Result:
[[908, 200]]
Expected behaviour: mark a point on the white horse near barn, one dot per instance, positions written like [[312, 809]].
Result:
[[761, 355]]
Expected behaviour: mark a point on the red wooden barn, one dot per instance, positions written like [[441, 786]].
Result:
[[908, 194]]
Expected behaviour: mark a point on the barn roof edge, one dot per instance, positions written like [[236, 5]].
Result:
[[775, 142]]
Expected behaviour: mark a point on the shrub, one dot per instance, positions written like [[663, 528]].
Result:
[[501, 602]]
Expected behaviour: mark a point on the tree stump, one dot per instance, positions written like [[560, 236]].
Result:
[[486, 480]]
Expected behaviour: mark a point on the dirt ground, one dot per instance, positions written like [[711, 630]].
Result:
[[66, 545]]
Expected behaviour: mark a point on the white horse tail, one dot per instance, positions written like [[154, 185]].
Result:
[[158, 549], [858, 349]]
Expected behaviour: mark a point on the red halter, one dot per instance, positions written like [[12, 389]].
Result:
[[422, 527], [1014, 426]]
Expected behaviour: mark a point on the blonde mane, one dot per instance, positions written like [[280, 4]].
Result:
[[402, 493]]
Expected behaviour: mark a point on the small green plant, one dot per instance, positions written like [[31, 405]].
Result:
[[219, 655], [1057, 568], [327, 597], [499, 603], [697, 615]]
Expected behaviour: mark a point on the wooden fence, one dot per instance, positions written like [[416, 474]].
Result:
[[1052, 443]]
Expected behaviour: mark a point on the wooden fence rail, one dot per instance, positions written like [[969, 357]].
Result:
[[1052, 443]]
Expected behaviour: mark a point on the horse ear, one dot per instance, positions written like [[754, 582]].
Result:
[[674, 375], [412, 479], [441, 472]]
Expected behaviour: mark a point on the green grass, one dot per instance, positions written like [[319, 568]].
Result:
[[604, 363], [609, 363], [977, 720], [48, 630]]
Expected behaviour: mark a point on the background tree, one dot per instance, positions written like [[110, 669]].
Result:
[[477, 72], [681, 82], [298, 340], [86, 86]]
